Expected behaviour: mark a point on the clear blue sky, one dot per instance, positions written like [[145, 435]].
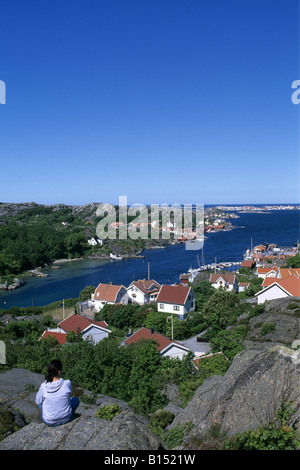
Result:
[[164, 101]]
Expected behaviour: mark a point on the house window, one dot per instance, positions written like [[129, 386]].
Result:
[[176, 308], [161, 305]]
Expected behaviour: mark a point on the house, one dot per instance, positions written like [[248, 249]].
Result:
[[165, 346], [143, 291], [285, 272], [248, 263], [91, 330], [60, 337], [109, 294], [177, 299], [227, 281], [95, 241], [243, 286], [271, 271], [277, 288]]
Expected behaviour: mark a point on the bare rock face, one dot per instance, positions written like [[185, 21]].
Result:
[[248, 395]]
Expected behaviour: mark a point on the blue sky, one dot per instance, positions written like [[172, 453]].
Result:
[[164, 101]]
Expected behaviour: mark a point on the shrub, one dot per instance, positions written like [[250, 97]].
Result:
[[109, 412], [160, 420], [174, 436], [267, 328], [276, 436]]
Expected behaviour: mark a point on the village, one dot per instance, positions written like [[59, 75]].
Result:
[[178, 300]]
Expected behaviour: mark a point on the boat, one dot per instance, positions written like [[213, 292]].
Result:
[[115, 256]]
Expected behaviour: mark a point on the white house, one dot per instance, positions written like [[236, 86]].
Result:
[[109, 294], [227, 281], [143, 291], [271, 271], [91, 330], [165, 346], [95, 241], [176, 299], [278, 288], [243, 286]]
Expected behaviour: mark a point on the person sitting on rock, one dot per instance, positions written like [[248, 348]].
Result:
[[54, 397]]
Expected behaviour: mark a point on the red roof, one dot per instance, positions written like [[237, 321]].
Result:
[[161, 340], [107, 292], [227, 277], [75, 322], [145, 333], [61, 337], [248, 263], [144, 285], [173, 294], [290, 284]]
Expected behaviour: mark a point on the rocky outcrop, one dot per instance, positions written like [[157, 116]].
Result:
[[248, 395], [126, 431]]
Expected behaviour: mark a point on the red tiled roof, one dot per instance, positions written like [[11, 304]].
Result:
[[290, 284], [227, 277], [173, 294], [145, 333], [285, 272], [248, 263], [267, 270], [61, 337], [144, 285], [75, 322], [162, 341], [107, 292]]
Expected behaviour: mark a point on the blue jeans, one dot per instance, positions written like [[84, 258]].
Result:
[[74, 402]]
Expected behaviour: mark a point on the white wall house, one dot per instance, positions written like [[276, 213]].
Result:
[[93, 331], [142, 291], [178, 300], [287, 287], [109, 294], [165, 346], [227, 281]]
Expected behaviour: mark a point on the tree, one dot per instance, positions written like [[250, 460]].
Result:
[[221, 310], [294, 261], [85, 293]]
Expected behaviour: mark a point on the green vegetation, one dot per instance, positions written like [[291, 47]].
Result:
[[108, 412], [276, 435], [294, 261]]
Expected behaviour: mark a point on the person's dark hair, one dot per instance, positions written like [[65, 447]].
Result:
[[53, 368]]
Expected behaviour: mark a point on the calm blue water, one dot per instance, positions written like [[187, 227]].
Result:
[[281, 227]]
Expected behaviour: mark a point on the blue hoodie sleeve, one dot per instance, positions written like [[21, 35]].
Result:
[[40, 395]]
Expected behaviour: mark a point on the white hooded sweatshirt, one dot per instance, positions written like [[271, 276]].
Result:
[[55, 400]]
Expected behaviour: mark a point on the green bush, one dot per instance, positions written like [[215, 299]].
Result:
[[276, 436], [160, 420], [109, 412], [174, 437], [267, 328]]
